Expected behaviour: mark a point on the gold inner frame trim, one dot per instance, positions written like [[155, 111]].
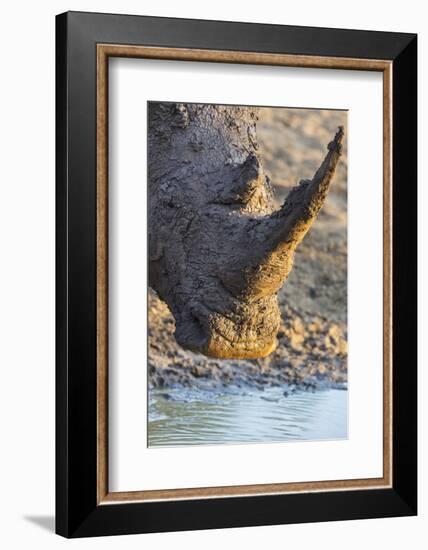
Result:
[[104, 51]]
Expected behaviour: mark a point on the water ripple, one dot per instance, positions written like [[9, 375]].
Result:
[[207, 417]]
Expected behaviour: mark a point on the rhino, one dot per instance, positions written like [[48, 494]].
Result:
[[219, 251]]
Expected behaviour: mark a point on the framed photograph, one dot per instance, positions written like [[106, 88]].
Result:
[[236, 274]]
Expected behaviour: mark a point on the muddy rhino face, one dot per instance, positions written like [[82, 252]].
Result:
[[218, 252]]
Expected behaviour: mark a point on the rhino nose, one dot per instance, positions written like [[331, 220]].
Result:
[[191, 334], [197, 335]]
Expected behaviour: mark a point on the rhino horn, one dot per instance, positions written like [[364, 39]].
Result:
[[277, 235], [300, 209]]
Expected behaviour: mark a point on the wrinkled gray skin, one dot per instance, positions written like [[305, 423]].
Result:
[[218, 252]]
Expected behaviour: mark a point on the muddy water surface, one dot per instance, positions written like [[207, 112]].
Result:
[[184, 416]]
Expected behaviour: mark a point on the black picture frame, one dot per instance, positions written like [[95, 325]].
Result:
[[78, 513]]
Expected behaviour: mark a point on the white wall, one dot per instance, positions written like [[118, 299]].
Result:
[[27, 271]]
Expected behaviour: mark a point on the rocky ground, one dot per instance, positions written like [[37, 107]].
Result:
[[312, 349]]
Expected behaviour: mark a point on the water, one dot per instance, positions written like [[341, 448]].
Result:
[[183, 416]]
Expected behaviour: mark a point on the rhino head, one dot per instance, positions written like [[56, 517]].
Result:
[[218, 250]]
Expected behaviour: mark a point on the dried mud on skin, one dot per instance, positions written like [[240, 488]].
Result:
[[312, 340]]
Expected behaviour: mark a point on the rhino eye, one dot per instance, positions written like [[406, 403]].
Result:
[[244, 185]]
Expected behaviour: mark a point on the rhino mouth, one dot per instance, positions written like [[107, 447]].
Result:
[[218, 347], [249, 333]]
